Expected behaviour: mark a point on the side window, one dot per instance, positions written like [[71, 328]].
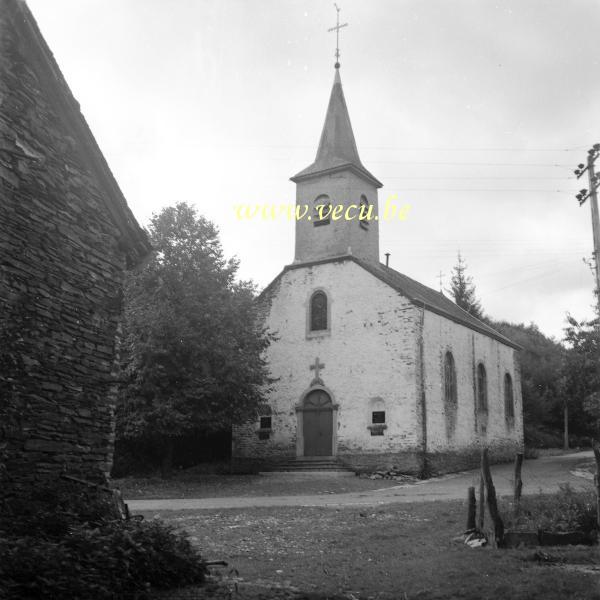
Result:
[[449, 379], [450, 396], [318, 311], [321, 211], [509, 400], [377, 416], [482, 403], [364, 213], [265, 422]]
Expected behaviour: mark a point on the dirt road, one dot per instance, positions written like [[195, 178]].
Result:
[[543, 474]]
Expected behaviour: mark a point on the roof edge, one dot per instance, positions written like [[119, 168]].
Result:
[[484, 329], [133, 236], [360, 171]]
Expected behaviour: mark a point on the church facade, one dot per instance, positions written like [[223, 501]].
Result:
[[371, 368]]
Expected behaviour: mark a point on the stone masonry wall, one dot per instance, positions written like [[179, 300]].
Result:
[[369, 355], [373, 362], [60, 286], [472, 430]]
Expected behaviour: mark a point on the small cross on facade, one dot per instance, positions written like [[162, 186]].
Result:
[[337, 36], [317, 369]]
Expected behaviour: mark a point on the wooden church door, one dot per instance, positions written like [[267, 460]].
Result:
[[318, 424]]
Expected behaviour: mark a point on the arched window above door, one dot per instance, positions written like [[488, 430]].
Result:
[[318, 314]]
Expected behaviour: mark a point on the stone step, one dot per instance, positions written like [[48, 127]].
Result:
[[308, 464]]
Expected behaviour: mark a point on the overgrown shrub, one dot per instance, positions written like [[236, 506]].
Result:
[[50, 511], [536, 437], [567, 510], [64, 542]]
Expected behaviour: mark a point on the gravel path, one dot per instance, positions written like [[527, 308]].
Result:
[[540, 475]]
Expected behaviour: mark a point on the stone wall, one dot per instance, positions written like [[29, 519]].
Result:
[[380, 353], [369, 354], [343, 189], [63, 261], [472, 429]]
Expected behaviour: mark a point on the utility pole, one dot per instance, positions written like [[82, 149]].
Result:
[[582, 196]]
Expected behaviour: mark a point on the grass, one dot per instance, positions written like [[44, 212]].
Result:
[[397, 552], [567, 510], [192, 484]]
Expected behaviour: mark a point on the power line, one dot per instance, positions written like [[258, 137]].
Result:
[[479, 178], [469, 164], [401, 148], [445, 190], [535, 277]]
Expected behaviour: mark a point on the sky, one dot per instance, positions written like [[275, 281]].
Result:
[[473, 112]]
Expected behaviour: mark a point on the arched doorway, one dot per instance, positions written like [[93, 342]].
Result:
[[317, 415]]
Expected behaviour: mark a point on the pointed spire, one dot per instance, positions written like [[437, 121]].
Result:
[[337, 139], [337, 147]]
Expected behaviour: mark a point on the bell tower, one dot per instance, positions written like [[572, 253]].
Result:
[[335, 192]]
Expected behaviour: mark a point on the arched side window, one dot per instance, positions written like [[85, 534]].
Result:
[[318, 311], [509, 400], [482, 403], [449, 380], [450, 397], [321, 210], [363, 212]]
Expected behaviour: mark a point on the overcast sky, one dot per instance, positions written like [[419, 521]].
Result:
[[474, 112]]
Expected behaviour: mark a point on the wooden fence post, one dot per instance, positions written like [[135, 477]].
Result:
[[491, 498], [481, 504], [472, 512], [518, 482]]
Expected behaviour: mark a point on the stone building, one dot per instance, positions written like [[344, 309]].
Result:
[[372, 369], [66, 240]]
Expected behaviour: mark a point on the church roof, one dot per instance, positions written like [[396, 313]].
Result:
[[431, 300], [416, 292], [337, 147]]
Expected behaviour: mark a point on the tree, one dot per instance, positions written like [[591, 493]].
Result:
[[541, 360], [192, 353], [462, 289], [582, 373]]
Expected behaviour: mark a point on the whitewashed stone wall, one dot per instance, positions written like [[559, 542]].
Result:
[[373, 361], [472, 429], [369, 354]]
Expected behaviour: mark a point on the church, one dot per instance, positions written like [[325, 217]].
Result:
[[372, 369]]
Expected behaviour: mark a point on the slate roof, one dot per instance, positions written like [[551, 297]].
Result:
[[432, 300], [337, 148]]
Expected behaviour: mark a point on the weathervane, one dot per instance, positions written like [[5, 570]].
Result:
[[337, 36]]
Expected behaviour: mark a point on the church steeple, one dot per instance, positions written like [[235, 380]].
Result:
[[337, 146], [337, 179], [336, 190]]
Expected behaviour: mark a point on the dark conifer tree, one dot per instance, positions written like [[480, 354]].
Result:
[[462, 289]]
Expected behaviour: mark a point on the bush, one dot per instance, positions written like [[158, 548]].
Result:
[[65, 543], [53, 510], [567, 510], [536, 437], [118, 560]]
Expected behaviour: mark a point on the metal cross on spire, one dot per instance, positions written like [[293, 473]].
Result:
[[337, 36]]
